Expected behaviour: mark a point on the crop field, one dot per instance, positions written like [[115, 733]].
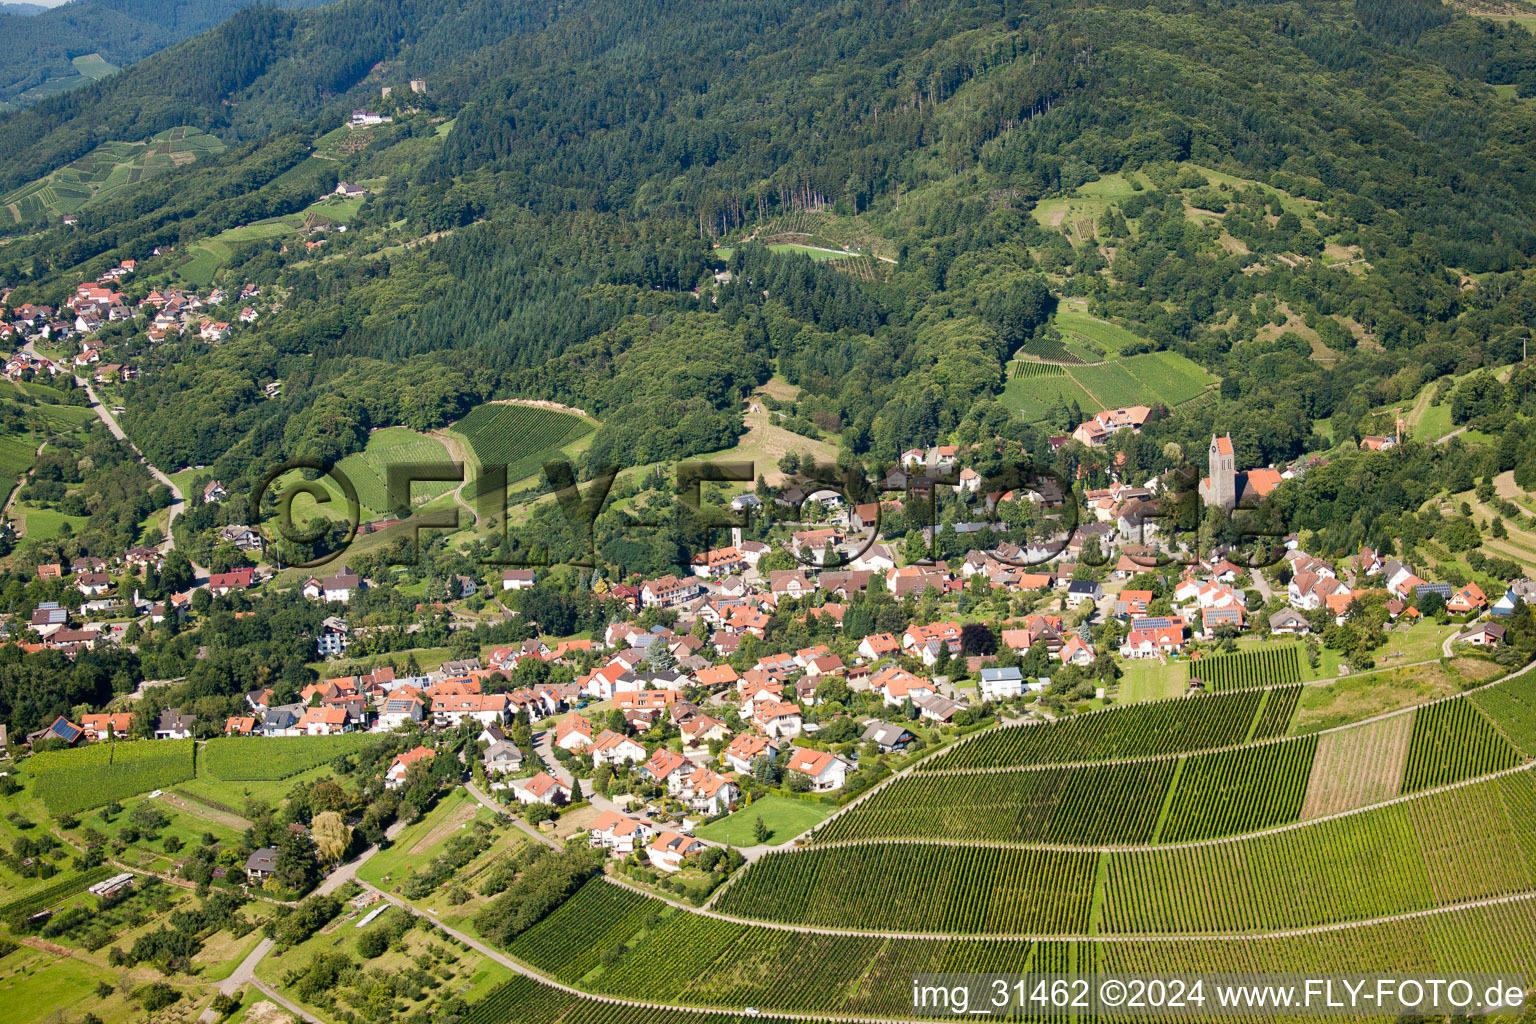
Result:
[[1512, 706], [1243, 790], [1097, 804], [1454, 740], [1389, 860], [1165, 377], [268, 758], [521, 437], [1139, 730], [675, 956], [1267, 666], [107, 170], [1491, 938], [1099, 338], [1357, 767], [909, 887], [1023, 369], [1034, 397], [70, 781], [394, 446], [1276, 714], [1054, 350]]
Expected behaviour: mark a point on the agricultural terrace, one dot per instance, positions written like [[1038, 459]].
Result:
[[1180, 725], [1243, 790], [269, 758], [1512, 706], [1403, 857], [1454, 740], [526, 1001], [647, 950], [522, 437], [1092, 805], [71, 781], [910, 887], [1407, 856], [1266, 666], [107, 170], [1359, 766]]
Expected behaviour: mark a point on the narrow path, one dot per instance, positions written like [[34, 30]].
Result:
[[534, 833], [177, 506]]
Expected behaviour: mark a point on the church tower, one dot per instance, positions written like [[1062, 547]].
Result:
[[1223, 473]]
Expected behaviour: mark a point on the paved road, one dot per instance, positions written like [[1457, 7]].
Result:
[[177, 506], [544, 746]]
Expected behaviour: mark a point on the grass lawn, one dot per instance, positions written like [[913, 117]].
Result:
[[1151, 680], [36, 986], [1355, 697], [423, 840], [784, 816], [45, 523]]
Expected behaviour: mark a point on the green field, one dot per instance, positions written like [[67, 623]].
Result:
[[107, 170], [1088, 337], [785, 817], [1165, 377]]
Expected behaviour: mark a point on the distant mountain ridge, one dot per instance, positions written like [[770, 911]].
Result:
[[37, 61]]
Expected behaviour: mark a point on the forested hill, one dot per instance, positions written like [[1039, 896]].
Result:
[[1327, 204], [40, 44]]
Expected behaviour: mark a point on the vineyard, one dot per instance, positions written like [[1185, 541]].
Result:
[[265, 759], [1240, 790], [1389, 860], [1512, 706], [394, 446], [520, 437], [1454, 740], [1042, 347], [1357, 767], [71, 781], [673, 956], [1136, 730], [41, 899], [914, 888], [1024, 369], [1094, 805], [1267, 666], [1276, 714]]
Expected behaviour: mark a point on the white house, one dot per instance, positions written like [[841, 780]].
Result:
[[1000, 683], [826, 770], [669, 849], [611, 748], [543, 788]]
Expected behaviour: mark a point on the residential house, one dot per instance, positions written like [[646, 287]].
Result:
[[93, 584], [242, 537], [1468, 599], [103, 726], [501, 758], [174, 725], [1286, 622], [241, 726], [221, 583], [620, 834], [518, 579], [394, 777], [261, 864], [573, 733], [709, 792], [669, 849], [743, 751], [543, 788], [886, 737], [826, 770], [778, 719], [332, 588], [998, 683], [325, 721], [1487, 634], [669, 591], [613, 748], [1079, 591], [60, 728]]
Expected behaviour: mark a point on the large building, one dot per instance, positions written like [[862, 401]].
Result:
[[1225, 487]]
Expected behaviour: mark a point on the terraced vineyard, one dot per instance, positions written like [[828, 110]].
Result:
[[1454, 740], [1137, 730], [71, 781], [107, 170], [673, 956], [907, 887], [1092, 805], [267, 758], [1050, 349], [1512, 706], [525, 1001], [1242, 790], [1396, 859], [1267, 666], [1023, 369], [1275, 717], [521, 437]]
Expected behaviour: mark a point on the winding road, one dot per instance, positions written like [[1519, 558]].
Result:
[[180, 502]]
